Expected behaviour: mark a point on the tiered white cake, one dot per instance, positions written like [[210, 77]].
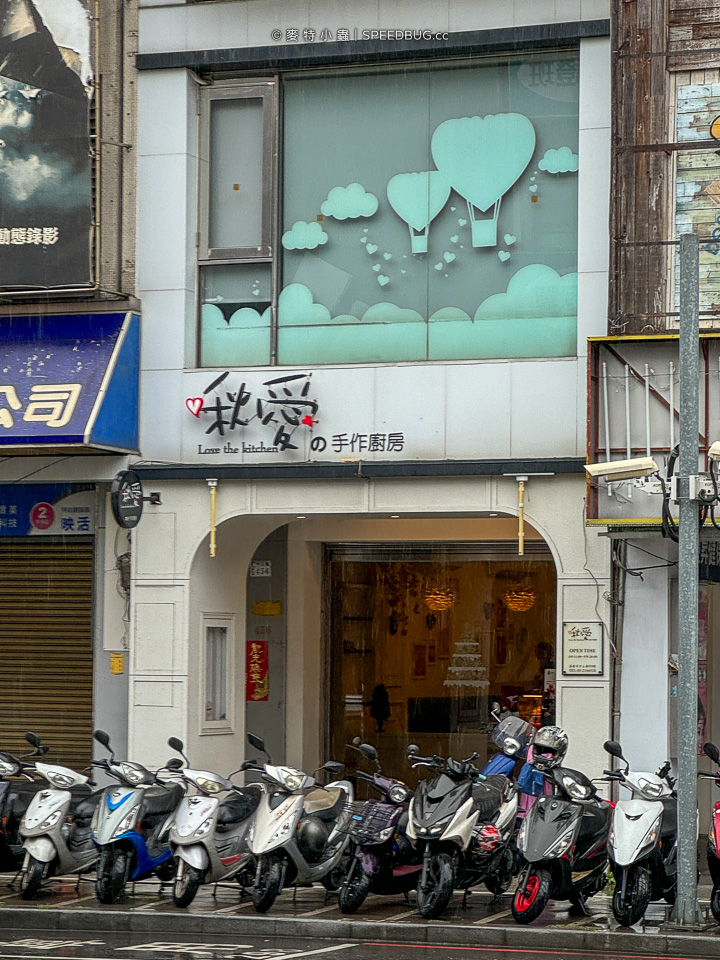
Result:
[[466, 667]]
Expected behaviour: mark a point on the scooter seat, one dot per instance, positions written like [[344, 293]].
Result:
[[487, 797], [158, 800], [325, 804], [238, 806]]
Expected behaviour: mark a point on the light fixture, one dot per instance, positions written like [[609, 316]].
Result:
[[623, 469], [394, 516], [519, 598], [299, 518], [438, 597]]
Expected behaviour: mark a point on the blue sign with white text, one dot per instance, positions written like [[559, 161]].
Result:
[[70, 381]]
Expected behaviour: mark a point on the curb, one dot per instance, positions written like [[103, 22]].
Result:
[[424, 934]]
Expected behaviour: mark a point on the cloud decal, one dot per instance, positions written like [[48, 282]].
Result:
[[296, 307], [304, 236], [534, 292], [349, 203], [562, 160]]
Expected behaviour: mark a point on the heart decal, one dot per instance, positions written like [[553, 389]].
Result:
[[376, 267], [448, 257], [533, 188], [371, 248], [383, 280], [503, 255], [307, 420], [509, 239], [482, 157], [387, 256], [454, 239], [438, 266], [363, 239], [194, 405], [462, 222]]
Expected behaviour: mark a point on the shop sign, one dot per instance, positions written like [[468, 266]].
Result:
[[126, 498], [117, 663], [70, 382], [257, 670], [267, 608], [261, 568], [30, 509], [232, 417], [582, 649]]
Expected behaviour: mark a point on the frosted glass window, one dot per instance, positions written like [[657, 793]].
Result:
[[216, 640], [236, 173], [235, 314]]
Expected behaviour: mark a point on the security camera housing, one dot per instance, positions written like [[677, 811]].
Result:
[[624, 469]]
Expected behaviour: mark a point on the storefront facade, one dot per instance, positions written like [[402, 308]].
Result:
[[364, 376]]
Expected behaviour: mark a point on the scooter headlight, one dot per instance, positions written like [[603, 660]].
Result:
[[129, 821], [51, 820], [209, 786], [650, 837], [131, 774], [292, 781], [205, 827], [398, 793], [651, 790], [563, 842]]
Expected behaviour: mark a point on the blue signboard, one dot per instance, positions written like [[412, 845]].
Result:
[[48, 509], [70, 381]]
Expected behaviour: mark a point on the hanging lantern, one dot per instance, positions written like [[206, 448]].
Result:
[[438, 597], [519, 598]]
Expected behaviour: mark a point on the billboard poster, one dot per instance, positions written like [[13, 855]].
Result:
[[47, 510], [46, 86]]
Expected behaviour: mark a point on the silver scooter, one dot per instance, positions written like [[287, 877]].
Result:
[[56, 827], [208, 837], [296, 832]]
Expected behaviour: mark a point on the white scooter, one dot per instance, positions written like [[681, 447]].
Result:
[[208, 838], [296, 834], [642, 845], [56, 827]]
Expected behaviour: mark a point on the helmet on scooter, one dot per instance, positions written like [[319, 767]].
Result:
[[549, 748]]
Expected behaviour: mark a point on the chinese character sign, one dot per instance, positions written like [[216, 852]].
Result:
[[257, 667], [29, 509], [45, 191], [582, 649]]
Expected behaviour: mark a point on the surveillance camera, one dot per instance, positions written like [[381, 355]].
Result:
[[714, 451], [625, 469]]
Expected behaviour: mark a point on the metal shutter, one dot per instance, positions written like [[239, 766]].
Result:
[[46, 645]]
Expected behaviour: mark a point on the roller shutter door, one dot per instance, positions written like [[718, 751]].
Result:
[[46, 645]]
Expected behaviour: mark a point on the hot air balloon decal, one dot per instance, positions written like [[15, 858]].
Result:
[[417, 198], [481, 158]]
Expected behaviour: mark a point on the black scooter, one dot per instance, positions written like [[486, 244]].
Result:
[[384, 861], [564, 841]]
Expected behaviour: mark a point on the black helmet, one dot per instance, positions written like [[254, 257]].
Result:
[[549, 748]]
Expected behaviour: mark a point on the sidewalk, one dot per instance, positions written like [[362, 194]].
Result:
[[308, 912]]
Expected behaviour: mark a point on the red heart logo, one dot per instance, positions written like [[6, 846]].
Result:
[[194, 405], [308, 421]]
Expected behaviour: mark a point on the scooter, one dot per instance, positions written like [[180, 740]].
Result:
[[56, 827], [15, 796], [208, 837], [295, 833], [713, 844], [512, 735], [131, 823], [463, 825], [564, 841], [642, 844], [385, 862]]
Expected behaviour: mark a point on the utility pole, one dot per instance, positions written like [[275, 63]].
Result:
[[686, 910]]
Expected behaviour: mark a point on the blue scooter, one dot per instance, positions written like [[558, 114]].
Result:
[[512, 736], [131, 824]]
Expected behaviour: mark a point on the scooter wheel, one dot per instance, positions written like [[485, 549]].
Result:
[[268, 879], [354, 891], [186, 886], [628, 910], [715, 901], [113, 869], [435, 897], [531, 899], [31, 879]]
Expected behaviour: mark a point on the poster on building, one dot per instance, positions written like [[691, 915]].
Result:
[[582, 649], [257, 667], [46, 88], [48, 509]]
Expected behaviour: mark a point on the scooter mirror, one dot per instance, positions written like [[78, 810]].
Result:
[[710, 750], [33, 739], [356, 741], [174, 763], [614, 749], [332, 766], [175, 744], [413, 750], [102, 738], [368, 750], [248, 765], [256, 742]]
